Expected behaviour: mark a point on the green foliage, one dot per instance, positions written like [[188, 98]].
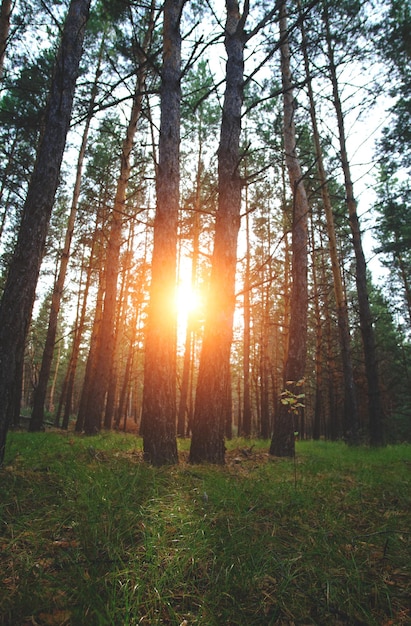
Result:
[[92, 535], [294, 401]]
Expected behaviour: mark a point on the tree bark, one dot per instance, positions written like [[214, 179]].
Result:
[[99, 381], [185, 399], [350, 398], [40, 392], [19, 293], [159, 394], [214, 381], [375, 412], [247, 416], [283, 440], [5, 15]]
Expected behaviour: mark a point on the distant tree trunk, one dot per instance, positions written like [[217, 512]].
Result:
[[189, 339], [403, 272], [66, 399], [318, 402], [5, 14], [120, 324], [106, 347], [350, 399], [375, 411], [159, 394], [333, 428], [82, 415], [121, 409], [265, 366], [19, 292], [246, 421], [40, 391], [54, 379], [214, 381], [283, 441]]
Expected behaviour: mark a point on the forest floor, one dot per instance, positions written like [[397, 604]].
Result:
[[91, 535]]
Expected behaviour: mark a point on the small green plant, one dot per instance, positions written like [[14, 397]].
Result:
[[293, 400]]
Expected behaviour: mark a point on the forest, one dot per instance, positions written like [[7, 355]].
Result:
[[205, 222]]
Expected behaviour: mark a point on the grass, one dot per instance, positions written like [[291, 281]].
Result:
[[91, 535]]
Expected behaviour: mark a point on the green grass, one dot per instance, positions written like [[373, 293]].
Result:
[[91, 535]]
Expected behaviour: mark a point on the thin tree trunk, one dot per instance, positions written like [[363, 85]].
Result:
[[54, 380], [265, 423], [82, 415], [189, 339], [122, 408], [40, 391], [19, 293], [404, 277], [112, 394], [375, 411], [214, 381], [5, 15], [318, 402], [283, 440], [159, 394], [350, 398], [67, 395], [99, 382], [246, 420]]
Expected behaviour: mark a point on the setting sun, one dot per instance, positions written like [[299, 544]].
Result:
[[188, 299]]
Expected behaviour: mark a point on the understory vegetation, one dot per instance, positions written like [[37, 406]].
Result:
[[90, 534]]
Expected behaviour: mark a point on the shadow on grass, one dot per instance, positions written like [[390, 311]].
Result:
[[92, 535]]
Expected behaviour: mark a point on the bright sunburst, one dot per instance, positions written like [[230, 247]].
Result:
[[188, 299]]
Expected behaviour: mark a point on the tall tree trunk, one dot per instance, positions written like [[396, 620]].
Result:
[[265, 365], [318, 402], [82, 414], [19, 293], [183, 408], [159, 394], [403, 272], [350, 398], [99, 381], [246, 421], [375, 411], [5, 15], [68, 388], [214, 381], [40, 391], [283, 443], [120, 324], [122, 409]]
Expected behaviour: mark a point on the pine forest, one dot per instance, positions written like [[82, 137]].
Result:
[[205, 221]]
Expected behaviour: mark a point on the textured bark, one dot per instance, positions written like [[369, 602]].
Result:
[[214, 381], [159, 395], [5, 14], [375, 411], [282, 443], [40, 392], [19, 293]]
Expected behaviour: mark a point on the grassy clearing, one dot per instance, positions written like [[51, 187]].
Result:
[[91, 535]]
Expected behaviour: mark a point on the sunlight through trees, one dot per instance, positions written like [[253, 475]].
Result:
[[185, 221]]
